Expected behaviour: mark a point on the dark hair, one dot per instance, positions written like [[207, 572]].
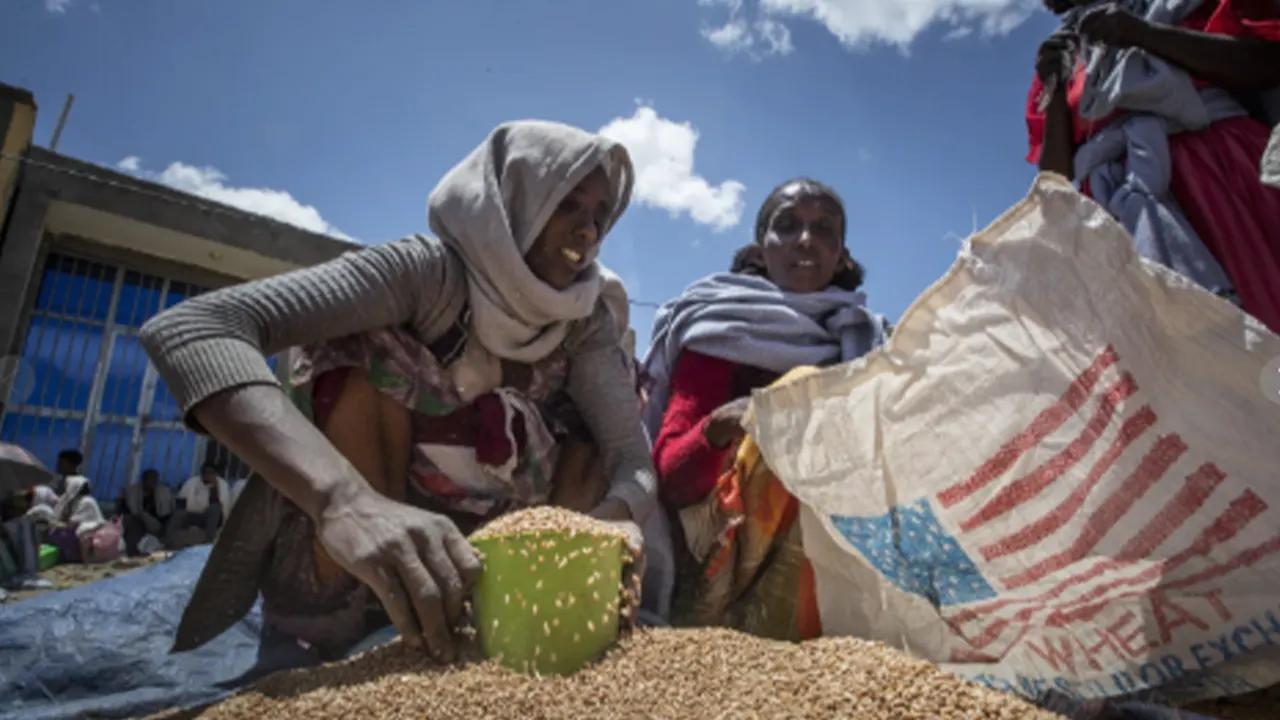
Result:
[[151, 471], [750, 261], [73, 456], [208, 466]]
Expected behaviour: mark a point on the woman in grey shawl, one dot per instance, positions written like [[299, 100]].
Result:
[[791, 301], [426, 396]]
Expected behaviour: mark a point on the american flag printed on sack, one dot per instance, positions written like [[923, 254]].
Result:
[[997, 563], [1060, 475]]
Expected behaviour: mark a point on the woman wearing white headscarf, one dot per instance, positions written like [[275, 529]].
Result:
[[431, 370], [76, 525]]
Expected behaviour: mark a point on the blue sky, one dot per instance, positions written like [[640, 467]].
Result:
[[341, 116]]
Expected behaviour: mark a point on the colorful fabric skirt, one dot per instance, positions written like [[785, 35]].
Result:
[[744, 565]]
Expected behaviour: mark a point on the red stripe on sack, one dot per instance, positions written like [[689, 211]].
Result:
[[1242, 511], [1028, 486], [1156, 527], [1177, 511], [1154, 465], [1029, 535], [1046, 422]]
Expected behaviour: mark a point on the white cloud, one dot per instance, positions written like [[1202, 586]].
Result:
[[858, 24], [58, 7], [662, 151], [733, 36], [766, 36], [776, 36], [210, 183]]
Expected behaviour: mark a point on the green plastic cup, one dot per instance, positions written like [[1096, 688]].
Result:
[[547, 602], [48, 557]]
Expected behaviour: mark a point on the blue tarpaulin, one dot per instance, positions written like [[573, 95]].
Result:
[[102, 650]]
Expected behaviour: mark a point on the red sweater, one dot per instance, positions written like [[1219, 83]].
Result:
[[687, 465]]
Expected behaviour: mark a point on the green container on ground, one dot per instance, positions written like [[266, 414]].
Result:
[[48, 557], [548, 603]]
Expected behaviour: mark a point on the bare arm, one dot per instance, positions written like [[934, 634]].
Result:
[[1230, 62], [1058, 153], [1055, 61]]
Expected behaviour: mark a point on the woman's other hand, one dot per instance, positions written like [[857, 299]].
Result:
[[1056, 58], [1112, 25], [724, 424], [416, 562]]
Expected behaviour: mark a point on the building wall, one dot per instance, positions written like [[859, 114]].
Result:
[[17, 121], [87, 255]]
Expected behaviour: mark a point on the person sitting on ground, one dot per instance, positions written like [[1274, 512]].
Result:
[[791, 301], [203, 502], [68, 465], [77, 526], [147, 507], [1163, 118], [46, 498], [426, 368]]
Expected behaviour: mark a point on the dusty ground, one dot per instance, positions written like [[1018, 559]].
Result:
[[65, 577]]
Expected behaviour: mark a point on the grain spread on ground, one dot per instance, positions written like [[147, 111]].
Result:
[[664, 673]]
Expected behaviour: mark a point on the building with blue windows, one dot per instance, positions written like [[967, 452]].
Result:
[[88, 254]]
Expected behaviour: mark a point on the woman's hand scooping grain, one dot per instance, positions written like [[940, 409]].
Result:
[[417, 562]]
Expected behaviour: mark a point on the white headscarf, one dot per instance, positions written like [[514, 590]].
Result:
[[491, 208], [80, 511]]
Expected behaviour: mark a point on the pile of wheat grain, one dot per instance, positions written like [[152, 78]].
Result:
[[703, 673], [546, 519]]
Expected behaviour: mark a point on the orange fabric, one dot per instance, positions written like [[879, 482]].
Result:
[[757, 579]]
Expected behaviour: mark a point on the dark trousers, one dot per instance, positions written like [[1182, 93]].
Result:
[[209, 520], [137, 527], [21, 539]]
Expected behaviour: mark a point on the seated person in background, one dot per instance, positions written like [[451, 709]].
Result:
[[147, 507], [76, 525], [203, 502], [791, 301], [69, 462]]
